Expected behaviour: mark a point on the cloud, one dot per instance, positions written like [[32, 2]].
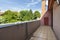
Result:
[[33, 2]]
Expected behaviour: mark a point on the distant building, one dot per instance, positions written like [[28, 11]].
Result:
[[43, 7]]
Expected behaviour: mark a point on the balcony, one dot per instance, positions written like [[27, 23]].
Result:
[[28, 30], [34, 29]]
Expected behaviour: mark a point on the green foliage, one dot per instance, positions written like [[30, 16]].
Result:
[[2, 19], [36, 14], [10, 16], [31, 15], [24, 15]]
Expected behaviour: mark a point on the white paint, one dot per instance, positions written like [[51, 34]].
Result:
[[56, 19]]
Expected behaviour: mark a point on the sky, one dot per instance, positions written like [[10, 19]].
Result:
[[17, 5]]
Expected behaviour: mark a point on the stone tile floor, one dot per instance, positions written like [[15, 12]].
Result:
[[43, 33]]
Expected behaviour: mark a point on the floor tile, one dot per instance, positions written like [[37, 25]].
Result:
[[43, 33]]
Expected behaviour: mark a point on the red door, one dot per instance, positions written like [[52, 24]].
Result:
[[46, 21]]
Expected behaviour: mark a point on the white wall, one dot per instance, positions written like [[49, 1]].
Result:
[[56, 19]]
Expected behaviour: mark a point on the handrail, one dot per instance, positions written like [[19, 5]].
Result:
[[15, 23]]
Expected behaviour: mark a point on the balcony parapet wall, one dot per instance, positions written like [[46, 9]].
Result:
[[18, 30]]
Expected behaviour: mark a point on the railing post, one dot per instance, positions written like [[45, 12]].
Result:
[[26, 31]]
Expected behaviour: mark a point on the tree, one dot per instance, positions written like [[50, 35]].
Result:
[[2, 20], [10, 16], [31, 14], [23, 13], [13, 16], [36, 14]]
